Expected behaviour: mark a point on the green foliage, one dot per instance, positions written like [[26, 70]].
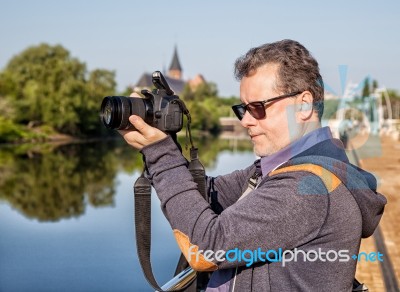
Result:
[[45, 85], [206, 107], [10, 131], [101, 83], [6, 109], [394, 95], [330, 109], [204, 118], [367, 88], [201, 92], [374, 84]]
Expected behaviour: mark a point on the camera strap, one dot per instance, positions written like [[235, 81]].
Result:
[[142, 201], [142, 191]]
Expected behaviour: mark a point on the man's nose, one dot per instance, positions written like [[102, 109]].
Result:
[[248, 120]]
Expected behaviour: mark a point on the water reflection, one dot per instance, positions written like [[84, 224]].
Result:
[[76, 229], [49, 182]]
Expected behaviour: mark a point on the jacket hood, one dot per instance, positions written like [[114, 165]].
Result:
[[361, 184]]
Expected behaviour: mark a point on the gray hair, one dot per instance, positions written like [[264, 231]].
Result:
[[297, 69]]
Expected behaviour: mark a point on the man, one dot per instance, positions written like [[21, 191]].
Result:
[[309, 207]]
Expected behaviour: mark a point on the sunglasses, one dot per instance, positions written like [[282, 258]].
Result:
[[257, 108]]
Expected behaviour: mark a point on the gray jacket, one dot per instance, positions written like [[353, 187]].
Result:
[[313, 203]]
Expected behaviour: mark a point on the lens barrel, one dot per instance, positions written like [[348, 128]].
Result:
[[116, 110]]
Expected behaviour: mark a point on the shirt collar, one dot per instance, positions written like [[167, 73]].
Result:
[[271, 162]]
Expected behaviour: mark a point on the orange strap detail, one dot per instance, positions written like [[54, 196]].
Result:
[[191, 252], [330, 180]]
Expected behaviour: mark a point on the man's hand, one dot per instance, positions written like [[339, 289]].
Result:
[[145, 134]]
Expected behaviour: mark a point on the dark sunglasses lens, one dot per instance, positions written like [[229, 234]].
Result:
[[257, 110], [239, 111]]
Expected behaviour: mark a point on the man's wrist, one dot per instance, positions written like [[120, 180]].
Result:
[[156, 144], [162, 155]]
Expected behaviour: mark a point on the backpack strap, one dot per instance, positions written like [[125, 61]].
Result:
[[330, 180]]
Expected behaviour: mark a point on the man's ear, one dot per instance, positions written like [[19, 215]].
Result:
[[305, 105]]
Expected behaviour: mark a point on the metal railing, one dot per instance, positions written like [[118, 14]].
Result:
[[181, 280]]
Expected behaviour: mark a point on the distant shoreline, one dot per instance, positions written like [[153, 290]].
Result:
[[60, 139]]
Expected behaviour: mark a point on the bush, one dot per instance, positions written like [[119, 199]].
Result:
[[10, 131]]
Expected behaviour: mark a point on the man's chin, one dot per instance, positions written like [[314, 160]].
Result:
[[262, 152], [259, 152]]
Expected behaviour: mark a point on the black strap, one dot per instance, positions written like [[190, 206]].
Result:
[[213, 198], [142, 191]]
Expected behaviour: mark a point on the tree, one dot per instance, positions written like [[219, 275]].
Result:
[[374, 85], [366, 89], [101, 83], [201, 92], [45, 85]]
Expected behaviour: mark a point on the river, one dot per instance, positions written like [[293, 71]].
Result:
[[66, 215]]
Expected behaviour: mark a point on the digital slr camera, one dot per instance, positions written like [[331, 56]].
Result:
[[159, 108]]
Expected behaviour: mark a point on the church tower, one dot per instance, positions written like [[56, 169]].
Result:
[[175, 69]]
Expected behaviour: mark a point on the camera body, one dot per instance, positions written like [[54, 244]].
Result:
[[159, 108]]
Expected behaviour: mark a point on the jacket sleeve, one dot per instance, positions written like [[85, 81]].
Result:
[[270, 217]]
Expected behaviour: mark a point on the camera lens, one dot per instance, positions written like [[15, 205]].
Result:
[[107, 112], [116, 110]]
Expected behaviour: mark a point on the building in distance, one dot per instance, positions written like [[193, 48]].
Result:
[[174, 78]]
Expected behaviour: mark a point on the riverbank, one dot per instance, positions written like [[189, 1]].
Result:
[[386, 167]]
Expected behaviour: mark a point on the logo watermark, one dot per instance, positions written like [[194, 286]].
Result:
[[279, 255]]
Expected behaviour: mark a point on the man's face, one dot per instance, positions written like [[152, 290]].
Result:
[[270, 134]]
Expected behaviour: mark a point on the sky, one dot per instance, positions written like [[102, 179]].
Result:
[[351, 40]]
